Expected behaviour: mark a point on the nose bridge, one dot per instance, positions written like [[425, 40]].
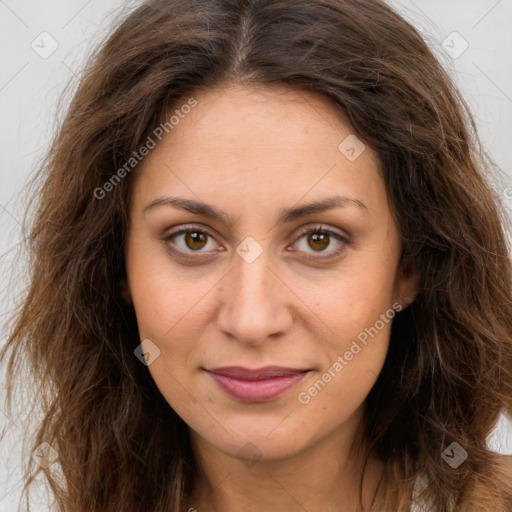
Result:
[[253, 307], [253, 280], [251, 273]]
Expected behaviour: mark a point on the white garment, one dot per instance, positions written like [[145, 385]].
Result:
[[419, 485], [415, 507]]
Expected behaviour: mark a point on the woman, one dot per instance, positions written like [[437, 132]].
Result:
[[268, 272]]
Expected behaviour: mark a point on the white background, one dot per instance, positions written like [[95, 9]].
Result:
[[30, 87]]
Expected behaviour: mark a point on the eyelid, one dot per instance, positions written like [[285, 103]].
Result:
[[323, 227], [182, 229], [185, 228], [342, 238], [188, 227]]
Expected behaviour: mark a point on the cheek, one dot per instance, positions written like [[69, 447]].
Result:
[[172, 310], [352, 354], [358, 312], [356, 301], [167, 299]]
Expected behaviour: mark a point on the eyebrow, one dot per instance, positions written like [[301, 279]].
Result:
[[285, 215]]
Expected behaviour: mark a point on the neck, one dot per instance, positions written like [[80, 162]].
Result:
[[325, 476]]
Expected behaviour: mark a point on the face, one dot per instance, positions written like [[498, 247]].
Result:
[[228, 266]]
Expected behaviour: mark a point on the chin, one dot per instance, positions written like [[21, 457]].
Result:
[[259, 442]]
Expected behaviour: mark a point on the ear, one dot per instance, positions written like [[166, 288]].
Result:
[[407, 284], [125, 291]]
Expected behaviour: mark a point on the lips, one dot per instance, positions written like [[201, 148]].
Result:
[[256, 385]]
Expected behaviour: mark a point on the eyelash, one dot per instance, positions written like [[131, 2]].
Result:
[[306, 231]]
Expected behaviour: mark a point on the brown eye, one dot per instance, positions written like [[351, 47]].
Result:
[[189, 240], [195, 239], [324, 242], [318, 241]]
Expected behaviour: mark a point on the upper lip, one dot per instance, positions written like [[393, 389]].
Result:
[[267, 372]]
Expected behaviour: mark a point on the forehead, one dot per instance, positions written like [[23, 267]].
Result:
[[270, 144]]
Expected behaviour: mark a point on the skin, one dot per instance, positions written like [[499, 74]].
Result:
[[251, 152]]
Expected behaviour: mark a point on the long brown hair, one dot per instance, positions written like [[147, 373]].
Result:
[[448, 373]]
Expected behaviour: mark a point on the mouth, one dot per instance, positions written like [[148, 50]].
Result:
[[258, 385]]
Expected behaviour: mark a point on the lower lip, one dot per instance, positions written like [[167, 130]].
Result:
[[257, 390]]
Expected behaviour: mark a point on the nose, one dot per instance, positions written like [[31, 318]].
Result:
[[255, 303]]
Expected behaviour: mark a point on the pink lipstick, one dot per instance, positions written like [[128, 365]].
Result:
[[258, 385]]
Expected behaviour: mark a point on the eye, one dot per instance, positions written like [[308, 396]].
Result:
[[189, 240], [318, 239]]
